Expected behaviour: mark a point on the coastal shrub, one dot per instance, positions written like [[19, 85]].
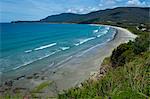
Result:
[[121, 54], [141, 44], [125, 52]]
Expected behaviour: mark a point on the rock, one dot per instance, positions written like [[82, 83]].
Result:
[[102, 71], [29, 77], [9, 83], [21, 77], [35, 74]]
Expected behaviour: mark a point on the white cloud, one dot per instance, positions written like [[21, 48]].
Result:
[[71, 10], [82, 10], [108, 2], [100, 5], [136, 3]]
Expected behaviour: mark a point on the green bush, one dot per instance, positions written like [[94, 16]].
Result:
[[141, 44], [121, 54], [125, 52]]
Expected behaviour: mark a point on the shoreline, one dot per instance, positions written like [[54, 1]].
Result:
[[83, 70], [70, 76], [123, 36]]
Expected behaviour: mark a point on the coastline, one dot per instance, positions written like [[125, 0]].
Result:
[[74, 76], [84, 70], [80, 68]]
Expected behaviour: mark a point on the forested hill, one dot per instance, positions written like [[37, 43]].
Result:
[[119, 14]]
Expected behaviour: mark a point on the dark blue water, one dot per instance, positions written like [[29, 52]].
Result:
[[24, 45]]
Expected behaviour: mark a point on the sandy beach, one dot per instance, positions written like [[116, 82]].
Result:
[[77, 69], [80, 68]]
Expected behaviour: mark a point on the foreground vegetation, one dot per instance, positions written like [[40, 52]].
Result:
[[127, 77]]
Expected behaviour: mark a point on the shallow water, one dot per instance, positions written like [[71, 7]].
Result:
[[33, 47]]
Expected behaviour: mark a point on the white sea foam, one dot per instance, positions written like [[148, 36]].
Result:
[[27, 63], [23, 65], [77, 44], [64, 48], [93, 47], [103, 32], [95, 31], [100, 32], [45, 46], [108, 40], [99, 35], [28, 51], [107, 27], [84, 40]]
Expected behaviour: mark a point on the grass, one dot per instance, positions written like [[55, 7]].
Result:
[[35, 93], [8, 96], [42, 86]]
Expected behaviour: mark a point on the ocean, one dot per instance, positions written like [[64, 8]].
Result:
[[38, 46]]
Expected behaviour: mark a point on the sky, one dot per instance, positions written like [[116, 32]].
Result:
[[14, 10]]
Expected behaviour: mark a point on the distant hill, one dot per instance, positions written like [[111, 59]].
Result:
[[119, 14]]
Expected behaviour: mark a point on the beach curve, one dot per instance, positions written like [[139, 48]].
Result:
[[79, 69]]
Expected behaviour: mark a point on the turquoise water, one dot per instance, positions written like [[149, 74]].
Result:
[[31, 46]]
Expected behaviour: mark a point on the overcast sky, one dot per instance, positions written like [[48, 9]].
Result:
[[12, 10]]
